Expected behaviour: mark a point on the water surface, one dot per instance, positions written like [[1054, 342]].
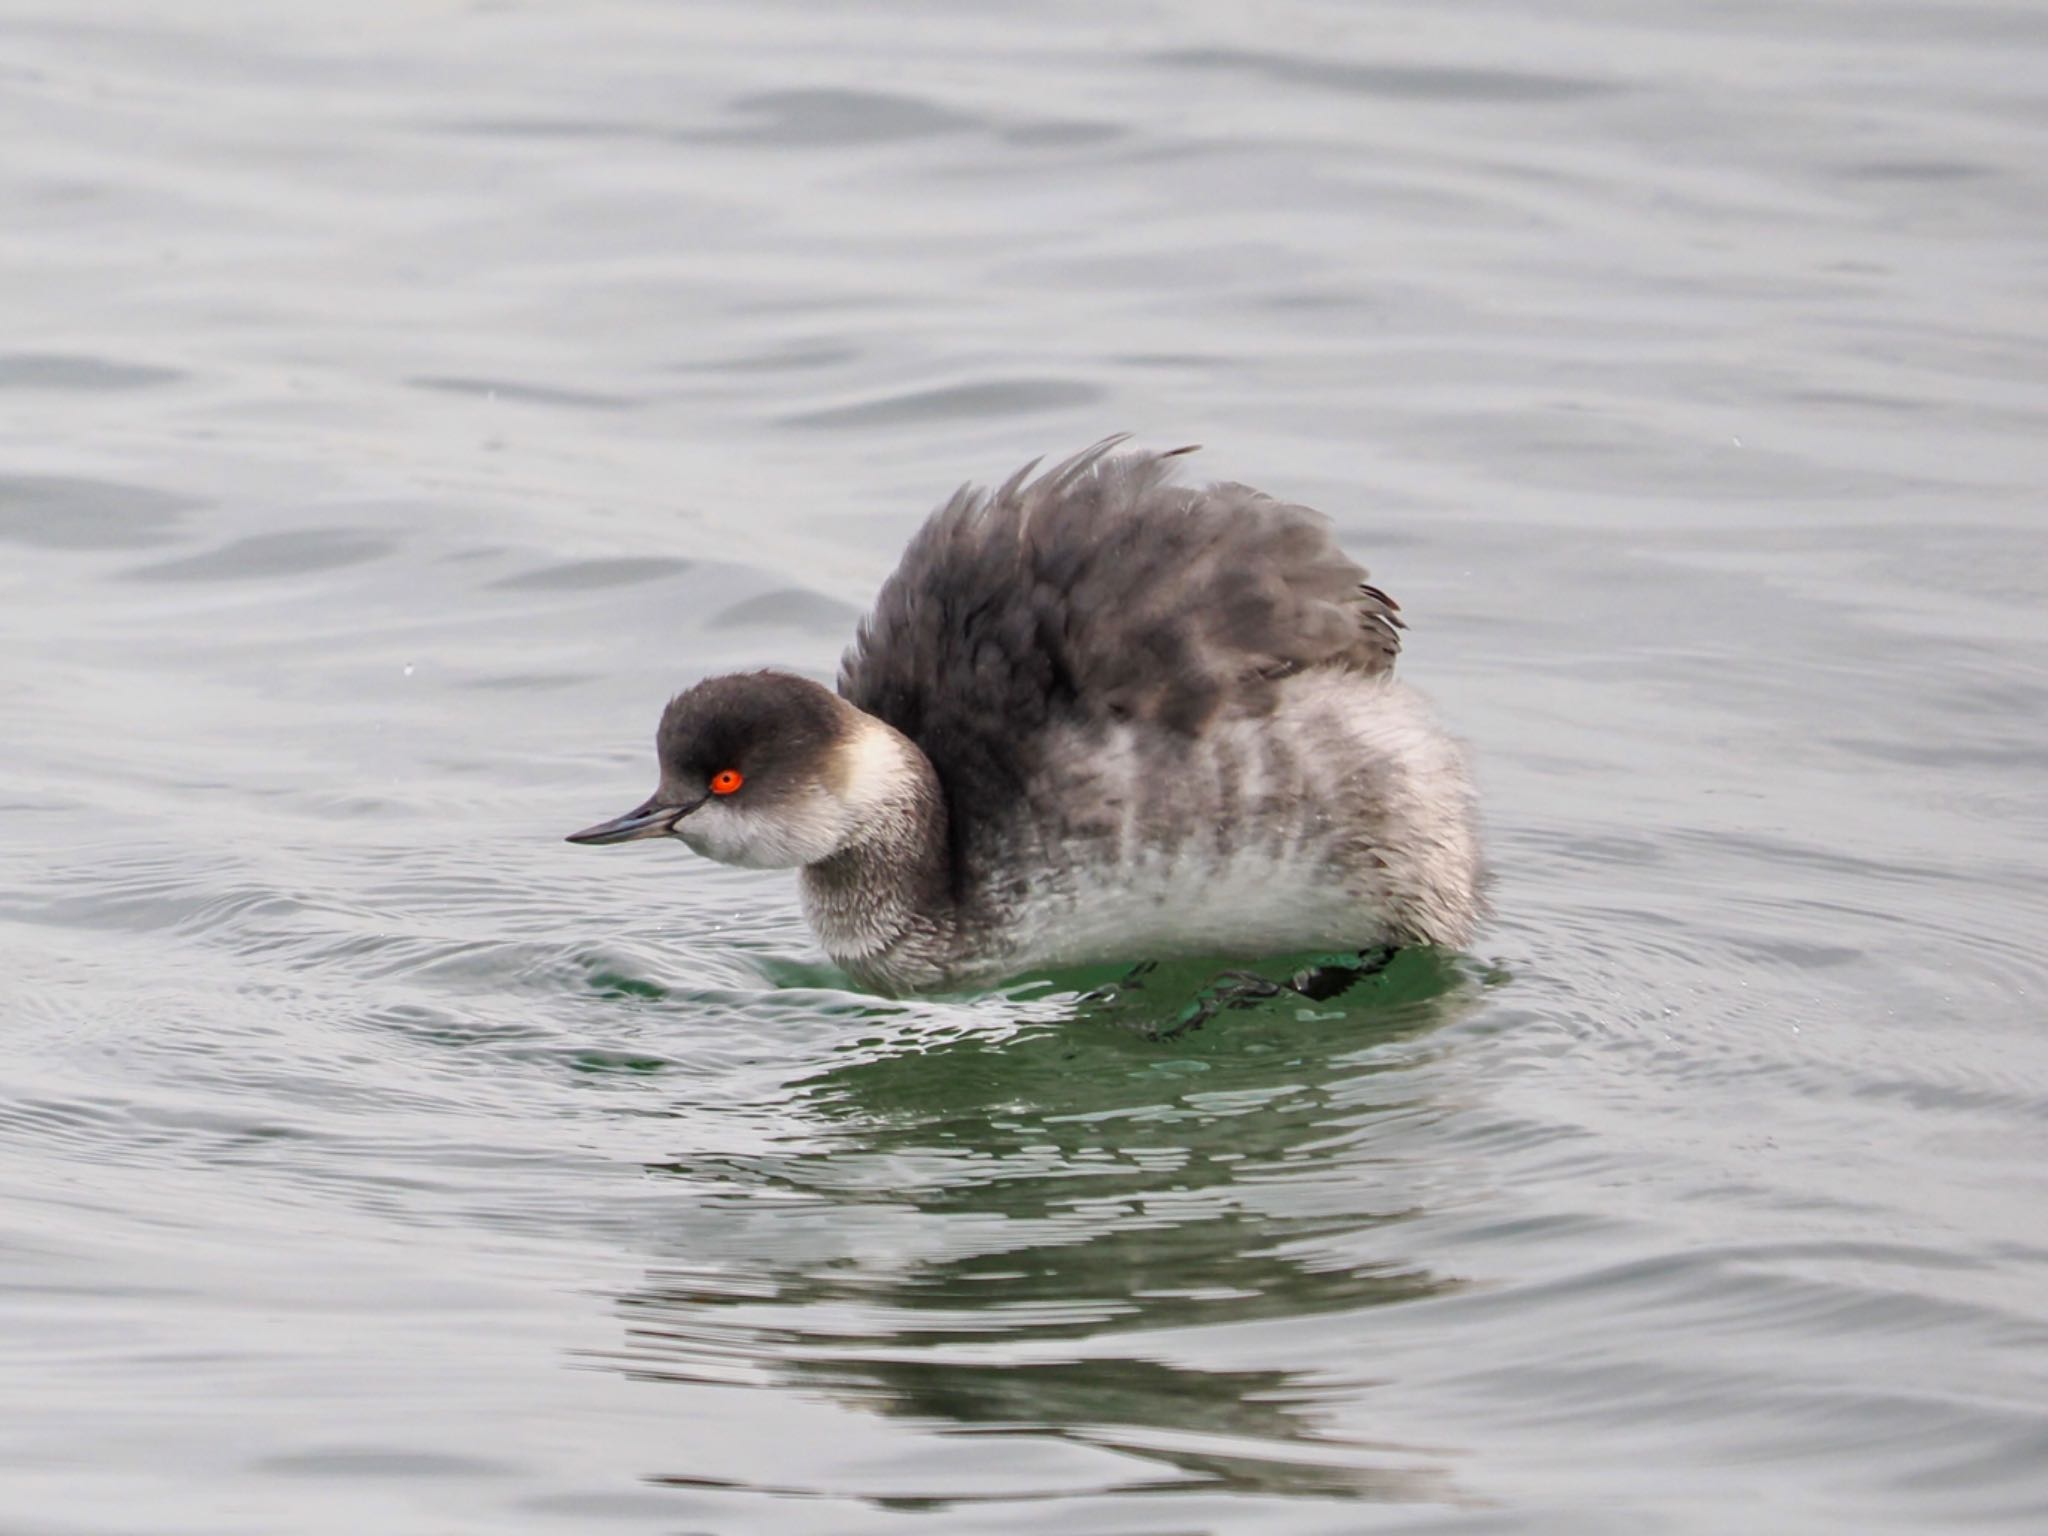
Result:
[[393, 413]]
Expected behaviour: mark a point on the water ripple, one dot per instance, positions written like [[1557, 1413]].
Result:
[[91, 375], [994, 397], [1399, 82]]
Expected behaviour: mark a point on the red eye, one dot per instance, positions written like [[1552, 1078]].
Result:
[[725, 781]]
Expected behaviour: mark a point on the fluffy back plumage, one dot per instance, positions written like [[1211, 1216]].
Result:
[[1099, 594]]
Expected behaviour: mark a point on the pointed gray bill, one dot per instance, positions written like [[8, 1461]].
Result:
[[652, 818]]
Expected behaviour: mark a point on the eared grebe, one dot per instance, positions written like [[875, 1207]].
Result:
[[1094, 716]]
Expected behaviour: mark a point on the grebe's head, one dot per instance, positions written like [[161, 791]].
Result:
[[766, 770]]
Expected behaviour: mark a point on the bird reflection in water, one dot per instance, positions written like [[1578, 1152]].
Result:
[[993, 1236]]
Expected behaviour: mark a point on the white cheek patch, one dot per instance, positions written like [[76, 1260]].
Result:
[[862, 784], [794, 833]]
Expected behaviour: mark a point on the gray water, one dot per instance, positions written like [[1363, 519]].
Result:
[[398, 402]]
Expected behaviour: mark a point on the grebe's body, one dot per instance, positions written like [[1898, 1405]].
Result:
[[1094, 716]]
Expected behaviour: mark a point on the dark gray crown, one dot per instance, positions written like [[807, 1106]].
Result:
[[775, 728]]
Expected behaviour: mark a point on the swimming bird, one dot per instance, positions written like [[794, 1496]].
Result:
[[1095, 715]]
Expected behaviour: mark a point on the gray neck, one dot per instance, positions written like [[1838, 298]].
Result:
[[882, 905]]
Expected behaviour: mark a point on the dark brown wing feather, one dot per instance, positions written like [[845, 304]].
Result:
[[1098, 593]]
